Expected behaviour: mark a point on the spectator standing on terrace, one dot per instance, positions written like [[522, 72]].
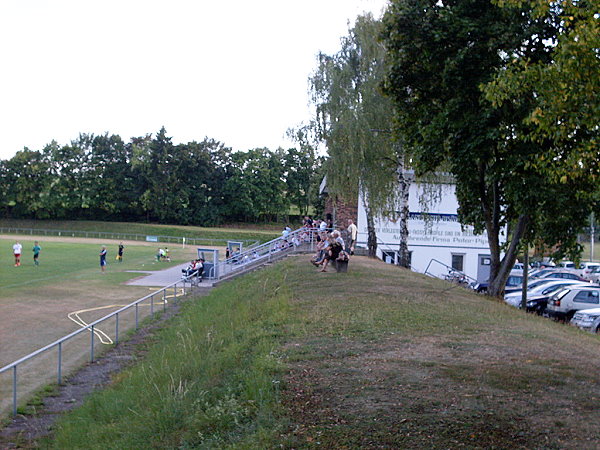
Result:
[[323, 226], [17, 248], [36, 253], [103, 253], [353, 232]]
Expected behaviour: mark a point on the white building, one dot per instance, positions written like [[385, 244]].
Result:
[[436, 240]]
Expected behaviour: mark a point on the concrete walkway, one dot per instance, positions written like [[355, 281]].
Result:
[[162, 278]]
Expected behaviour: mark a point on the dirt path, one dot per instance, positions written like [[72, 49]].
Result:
[[23, 430]]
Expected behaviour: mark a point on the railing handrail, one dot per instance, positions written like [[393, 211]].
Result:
[[86, 328], [450, 269], [233, 260]]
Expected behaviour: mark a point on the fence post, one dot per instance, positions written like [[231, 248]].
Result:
[[136, 315], [92, 344], [14, 390], [152, 305], [117, 329], [59, 371], [164, 299]]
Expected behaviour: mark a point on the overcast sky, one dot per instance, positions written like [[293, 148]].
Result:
[[235, 71]]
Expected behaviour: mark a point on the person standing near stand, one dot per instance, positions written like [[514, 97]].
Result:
[[353, 232]]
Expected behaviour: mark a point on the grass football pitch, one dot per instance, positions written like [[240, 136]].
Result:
[[40, 304]]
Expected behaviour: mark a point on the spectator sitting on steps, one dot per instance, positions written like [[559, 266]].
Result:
[[335, 247]]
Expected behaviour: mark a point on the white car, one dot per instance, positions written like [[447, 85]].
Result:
[[540, 290], [566, 265], [587, 268], [587, 319]]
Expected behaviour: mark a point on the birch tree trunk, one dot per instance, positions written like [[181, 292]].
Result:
[[404, 186], [371, 234]]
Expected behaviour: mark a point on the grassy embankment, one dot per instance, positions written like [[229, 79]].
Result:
[[378, 357]]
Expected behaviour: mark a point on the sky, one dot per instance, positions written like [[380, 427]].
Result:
[[235, 71]]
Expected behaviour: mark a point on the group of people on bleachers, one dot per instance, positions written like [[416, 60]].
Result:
[[194, 268], [331, 247]]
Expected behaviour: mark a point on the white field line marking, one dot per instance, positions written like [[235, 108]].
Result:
[[104, 338]]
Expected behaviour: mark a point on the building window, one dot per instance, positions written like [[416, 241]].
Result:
[[389, 256], [458, 261]]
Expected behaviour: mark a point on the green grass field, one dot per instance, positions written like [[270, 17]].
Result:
[[376, 358], [36, 301]]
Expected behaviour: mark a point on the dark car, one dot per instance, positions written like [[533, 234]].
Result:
[[514, 279], [563, 274]]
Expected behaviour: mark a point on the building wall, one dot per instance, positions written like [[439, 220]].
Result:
[[341, 210], [435, 234]]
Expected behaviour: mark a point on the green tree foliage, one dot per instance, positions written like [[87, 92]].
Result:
[[25, 179], [255, 186], [150, 178], [566, 107], [354, 120], [439, 56]]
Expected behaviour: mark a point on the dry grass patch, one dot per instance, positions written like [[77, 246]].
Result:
[[390, 359]]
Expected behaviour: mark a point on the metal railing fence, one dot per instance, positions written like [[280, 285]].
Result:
[[122, 236], [448, 273], [155, 299], [301, 240]]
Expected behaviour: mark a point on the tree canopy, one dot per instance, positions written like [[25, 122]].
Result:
[[150, 178], [439, 55]]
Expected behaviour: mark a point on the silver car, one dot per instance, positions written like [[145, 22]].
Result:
[[587, 319]]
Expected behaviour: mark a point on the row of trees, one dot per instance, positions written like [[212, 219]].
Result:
[[502, 95], [151, 179]]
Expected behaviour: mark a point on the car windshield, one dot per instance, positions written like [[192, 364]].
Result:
[[561, 294], [549, 290], [514, 280]]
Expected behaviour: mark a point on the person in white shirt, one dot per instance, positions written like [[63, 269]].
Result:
[[353, 231], [17, 248]]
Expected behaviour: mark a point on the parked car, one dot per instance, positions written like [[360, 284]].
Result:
[[566, 265], [587, 319], [541, 272], [532, 283], [566, 302], [514, 279], [567, 274], [590, 270], [537, 297]]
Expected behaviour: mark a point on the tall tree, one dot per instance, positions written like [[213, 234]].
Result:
[[354, 119], [439, 56]]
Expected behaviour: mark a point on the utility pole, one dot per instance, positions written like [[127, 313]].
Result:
[[592, 237], [525, 277]]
